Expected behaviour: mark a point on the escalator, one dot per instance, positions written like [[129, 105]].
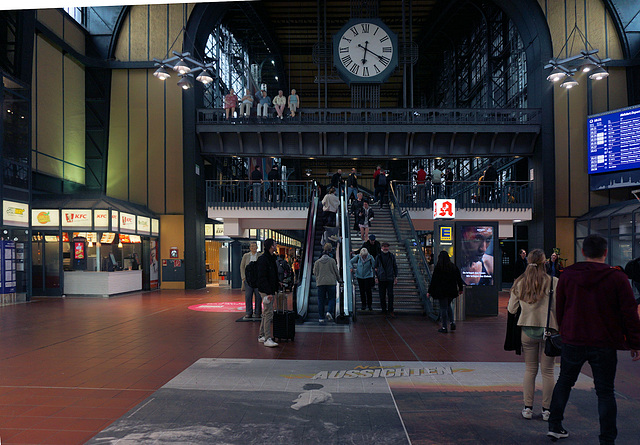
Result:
[[307, 301]]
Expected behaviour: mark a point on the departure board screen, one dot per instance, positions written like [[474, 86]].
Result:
[[614, 140]]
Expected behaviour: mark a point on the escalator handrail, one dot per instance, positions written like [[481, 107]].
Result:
[[307, 260], [348, 300]]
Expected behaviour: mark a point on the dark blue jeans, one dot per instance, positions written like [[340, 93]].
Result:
[[326, 294], [603, 362], [446, 313]]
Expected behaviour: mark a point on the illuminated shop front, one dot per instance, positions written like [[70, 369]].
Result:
[[96, 251]]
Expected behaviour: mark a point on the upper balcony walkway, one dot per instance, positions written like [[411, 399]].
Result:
[[365, 132], [284, 204]]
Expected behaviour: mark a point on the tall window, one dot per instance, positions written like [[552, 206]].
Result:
[[485, 67], [78, 14], [233, 66]]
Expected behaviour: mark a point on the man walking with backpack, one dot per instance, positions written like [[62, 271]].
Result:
[[249, 274], [381, 184]]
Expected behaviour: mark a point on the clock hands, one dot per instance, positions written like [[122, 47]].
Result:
[[364, 59], [367, 49]]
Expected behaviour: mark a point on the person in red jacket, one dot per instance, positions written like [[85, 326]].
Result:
[[597, 315]]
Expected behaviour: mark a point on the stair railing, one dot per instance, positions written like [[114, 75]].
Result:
[[405, 231], [347, 302], [302, 292]]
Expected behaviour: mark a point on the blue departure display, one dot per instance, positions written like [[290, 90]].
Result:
[[614, 141]]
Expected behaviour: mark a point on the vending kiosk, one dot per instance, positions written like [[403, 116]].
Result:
[[79, 253]]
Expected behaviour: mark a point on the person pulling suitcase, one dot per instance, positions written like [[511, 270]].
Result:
[[268, 285]]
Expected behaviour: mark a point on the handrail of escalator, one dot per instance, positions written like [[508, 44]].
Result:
[[302, 291], [415, 252], [347, 302]]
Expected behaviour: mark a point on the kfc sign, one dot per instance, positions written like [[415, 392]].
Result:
[[101, 219], [76, 218], [114, 220], [444, 209], [127, 222]]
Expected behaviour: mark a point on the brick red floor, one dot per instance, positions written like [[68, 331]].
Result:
[[69, 367]]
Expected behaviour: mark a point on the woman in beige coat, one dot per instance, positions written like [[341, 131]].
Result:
[[530, 292]]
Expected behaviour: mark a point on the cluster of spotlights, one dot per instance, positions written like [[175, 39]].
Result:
[[563, 70], [187, 69]]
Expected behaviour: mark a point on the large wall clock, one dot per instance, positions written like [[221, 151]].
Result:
[[365, 51]]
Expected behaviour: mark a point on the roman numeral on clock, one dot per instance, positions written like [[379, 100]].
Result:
[[385, 60], [354, 68], [344, 49], [354, 31], [346, 61], [384, 39], [348, 40], [375, 67], [365, 71], [365, 27], [387, 49]]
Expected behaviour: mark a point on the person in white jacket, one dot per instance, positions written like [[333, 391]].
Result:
[[250, 290], [330, 204]]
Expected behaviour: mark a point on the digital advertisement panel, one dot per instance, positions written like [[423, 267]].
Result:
[[475, 254]]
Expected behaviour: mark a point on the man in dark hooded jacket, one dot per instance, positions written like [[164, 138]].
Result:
[[597, 315]]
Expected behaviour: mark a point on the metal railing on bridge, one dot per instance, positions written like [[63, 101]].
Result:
[[470, 195], [285, 195], [384, 116]]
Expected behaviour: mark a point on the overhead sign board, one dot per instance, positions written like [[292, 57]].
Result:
[[101, 219], [76, 218], [15, 213], [127, 222], [45, 218], [444, 209], [144, 225]]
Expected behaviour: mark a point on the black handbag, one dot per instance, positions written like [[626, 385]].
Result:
[[552, 341]]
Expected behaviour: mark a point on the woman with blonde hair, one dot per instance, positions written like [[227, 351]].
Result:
[[530, 292]]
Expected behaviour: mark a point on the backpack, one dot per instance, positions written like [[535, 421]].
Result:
[[284, 270], [251, 274], [382, 179], [632, 269]]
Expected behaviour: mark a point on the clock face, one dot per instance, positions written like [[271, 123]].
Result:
[[365, 51]]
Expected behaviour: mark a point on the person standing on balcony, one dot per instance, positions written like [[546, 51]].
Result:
[[448, 182], [274, 181], [230, 103], [256, 183], [421, 179], [247, 102], [352, 185], [279, 102], [263, 103], [436, 181], [294, 102]]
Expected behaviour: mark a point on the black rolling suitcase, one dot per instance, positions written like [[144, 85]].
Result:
[[284, 320]]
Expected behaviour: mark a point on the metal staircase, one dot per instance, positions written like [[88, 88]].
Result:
[[407, 298]]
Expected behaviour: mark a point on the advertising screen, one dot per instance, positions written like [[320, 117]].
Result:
[[614, 140], [78, 250], [475, 255]]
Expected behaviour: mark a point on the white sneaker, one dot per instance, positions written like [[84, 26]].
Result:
[[527, 413], [545, 415], [329, 316], [321, 320], [270, 343], [261, 339]]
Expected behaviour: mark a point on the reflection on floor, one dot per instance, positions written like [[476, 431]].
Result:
[[71, 369]]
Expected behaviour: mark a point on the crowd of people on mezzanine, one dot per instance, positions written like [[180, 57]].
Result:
[[263, 104]]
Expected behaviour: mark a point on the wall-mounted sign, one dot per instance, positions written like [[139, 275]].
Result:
[[127, 222], [155, 227], [15, 213], [101, 219], [173, 252], [208, 230], [76, 218], [45, 218], [219, 230], [144, 225], [444, 208], [446, 234], [115, 220]]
